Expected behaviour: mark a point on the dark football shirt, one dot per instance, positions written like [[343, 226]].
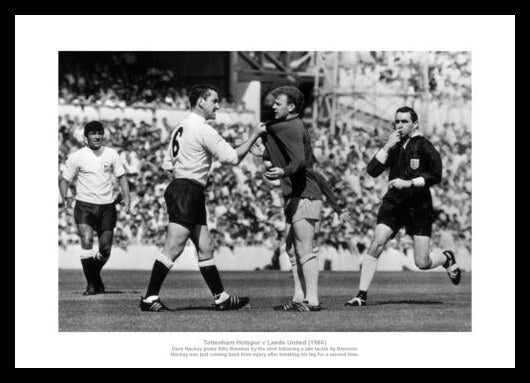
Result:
[[418, 159], [288, 147]]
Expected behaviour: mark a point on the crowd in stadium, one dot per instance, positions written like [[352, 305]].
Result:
[[449, 73], [243, 209], [449, 76], [108, 84]]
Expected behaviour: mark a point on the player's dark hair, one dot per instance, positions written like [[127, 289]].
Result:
[[93, 126], [294, 96], [200, 91], [408, 109]]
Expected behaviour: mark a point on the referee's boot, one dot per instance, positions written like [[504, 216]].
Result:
[[452, 269], [154, 306], [232, 303]]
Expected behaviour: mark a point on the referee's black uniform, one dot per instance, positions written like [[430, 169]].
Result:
[[409, 207]]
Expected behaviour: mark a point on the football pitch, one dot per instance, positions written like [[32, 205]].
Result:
[[401, 301]]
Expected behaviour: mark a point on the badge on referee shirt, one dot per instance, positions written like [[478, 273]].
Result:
[[414, 163]]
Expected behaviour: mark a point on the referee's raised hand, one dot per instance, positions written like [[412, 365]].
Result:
[[394, 139]]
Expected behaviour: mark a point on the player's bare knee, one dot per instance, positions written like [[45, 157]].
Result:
[[173, 251], [303, 248], [205, 254], [87, 242], [423, 264]]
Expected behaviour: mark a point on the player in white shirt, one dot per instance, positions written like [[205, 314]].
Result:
[[92, 168], [193, 146]]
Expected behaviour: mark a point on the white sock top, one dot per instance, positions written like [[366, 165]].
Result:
[[151, 299]]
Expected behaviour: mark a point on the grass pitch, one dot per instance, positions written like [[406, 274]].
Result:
[[404, 301]]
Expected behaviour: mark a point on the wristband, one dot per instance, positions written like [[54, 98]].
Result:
[[418, 182]]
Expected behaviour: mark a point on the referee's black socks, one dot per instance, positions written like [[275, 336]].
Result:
[[211, 276]]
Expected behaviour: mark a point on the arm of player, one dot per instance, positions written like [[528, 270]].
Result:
[[242, 150], [119, 173], [222, 150], [328, 193], [330, 197], [124, 187], [63, 189], [65, 179], [258, 149]]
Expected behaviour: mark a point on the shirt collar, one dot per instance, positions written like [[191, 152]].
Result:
[[416, 133], [198, 118]]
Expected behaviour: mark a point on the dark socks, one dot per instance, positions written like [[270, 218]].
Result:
[[212, 279], [90, 270], [101, 260], [158, 276]]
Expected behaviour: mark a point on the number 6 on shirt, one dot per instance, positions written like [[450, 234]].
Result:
[[175, 146]]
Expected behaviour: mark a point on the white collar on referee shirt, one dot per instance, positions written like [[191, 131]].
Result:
[[414, 134]]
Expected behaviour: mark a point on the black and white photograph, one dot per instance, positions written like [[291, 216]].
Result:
[[233, 202], [274, 184]]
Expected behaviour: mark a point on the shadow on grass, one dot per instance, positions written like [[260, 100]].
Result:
[[194, 308], [406, 302], [113, 292]]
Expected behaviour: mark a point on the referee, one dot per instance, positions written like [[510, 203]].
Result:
[[414, 166]]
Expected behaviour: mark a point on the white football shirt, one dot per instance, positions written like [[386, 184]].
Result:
[[193, 145], [94, 174]]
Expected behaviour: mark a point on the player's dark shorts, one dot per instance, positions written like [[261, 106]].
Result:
[[100, 217], [186, 202], [416, 220]]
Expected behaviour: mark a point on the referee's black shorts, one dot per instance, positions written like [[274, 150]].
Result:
[[417, 220], [101, 218], [186, 202]]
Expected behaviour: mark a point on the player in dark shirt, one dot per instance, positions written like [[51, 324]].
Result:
[[288, 146], [414, 166]]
